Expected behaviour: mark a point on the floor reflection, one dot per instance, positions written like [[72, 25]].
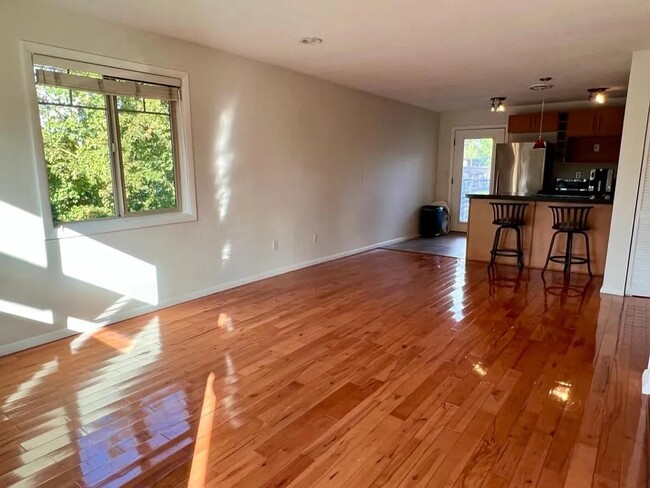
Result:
[[229, 389], [507, 277], [569, 293]]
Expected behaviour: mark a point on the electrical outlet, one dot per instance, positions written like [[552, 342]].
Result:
[[315, 238], [596, 147], [276, 245], [578, 174]]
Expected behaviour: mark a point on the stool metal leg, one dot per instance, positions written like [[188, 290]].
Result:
[[550, 250], [495, 245], [568, 254], [588, 253], [520, 254]]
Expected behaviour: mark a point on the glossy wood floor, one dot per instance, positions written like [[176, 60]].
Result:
[[383, 369]]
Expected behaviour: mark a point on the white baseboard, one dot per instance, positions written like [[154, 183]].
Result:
[[118, 317], [274, 272], [35, 341], [611, 291]]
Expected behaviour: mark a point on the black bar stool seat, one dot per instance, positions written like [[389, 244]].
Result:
[[569, 221], [508, 216]]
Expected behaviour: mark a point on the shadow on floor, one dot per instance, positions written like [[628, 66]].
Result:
[[452, 245]]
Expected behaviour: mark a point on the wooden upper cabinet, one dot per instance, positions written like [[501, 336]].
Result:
[[520, 123], [605, 121], [523, 123], [610, 121], [581, 123]]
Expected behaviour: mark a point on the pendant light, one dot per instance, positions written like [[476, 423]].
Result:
[[497, 104], [542, 86]]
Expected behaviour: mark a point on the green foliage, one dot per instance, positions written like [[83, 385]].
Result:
[[148, 161], [75, 136], [78, 162], [478, 152]]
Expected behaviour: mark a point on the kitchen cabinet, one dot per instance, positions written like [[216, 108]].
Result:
[[524, 123], [605, 121], [610, 121], [594, 150]]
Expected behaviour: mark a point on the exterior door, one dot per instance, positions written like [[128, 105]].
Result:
[[473, 168]]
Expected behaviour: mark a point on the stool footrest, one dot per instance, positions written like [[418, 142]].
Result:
[[560, 258], [505, 252], [570, 221]]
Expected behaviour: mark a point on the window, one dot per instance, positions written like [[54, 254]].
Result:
[[112, 146]]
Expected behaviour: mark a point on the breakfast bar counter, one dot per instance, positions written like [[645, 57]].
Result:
[[537, 230]]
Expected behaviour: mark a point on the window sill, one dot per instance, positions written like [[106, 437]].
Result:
[[119, 224]]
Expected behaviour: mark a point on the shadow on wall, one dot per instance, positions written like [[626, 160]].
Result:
[[45, 278]]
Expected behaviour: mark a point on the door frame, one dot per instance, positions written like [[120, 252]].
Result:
[[452, 155], [627, 290]]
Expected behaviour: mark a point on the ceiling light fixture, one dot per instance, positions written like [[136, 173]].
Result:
[[543, 86], [497, 104], [311, 41], [597, 95]]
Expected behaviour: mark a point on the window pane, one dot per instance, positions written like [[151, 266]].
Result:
[[128, 103], [477, 168], [158, 106], [53, 94], [88, 99], [147, 160], [78, 162]]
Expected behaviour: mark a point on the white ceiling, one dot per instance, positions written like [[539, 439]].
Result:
[[438, 54]]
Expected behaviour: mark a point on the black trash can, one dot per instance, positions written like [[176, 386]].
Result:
[[434, 221]]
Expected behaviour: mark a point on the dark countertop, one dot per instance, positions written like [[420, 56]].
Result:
[[543, 198]]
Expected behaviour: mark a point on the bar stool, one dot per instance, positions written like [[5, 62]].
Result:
[[570, 221], [508, 216]]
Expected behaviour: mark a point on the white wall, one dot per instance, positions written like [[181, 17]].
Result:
[[629, 173], [278, 155]]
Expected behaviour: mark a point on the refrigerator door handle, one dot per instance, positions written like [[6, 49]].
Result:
[[497, 175]]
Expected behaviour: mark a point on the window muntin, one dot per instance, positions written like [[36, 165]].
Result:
[[108, 155]]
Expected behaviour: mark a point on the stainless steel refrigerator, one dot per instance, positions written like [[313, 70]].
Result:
[[521, 170]]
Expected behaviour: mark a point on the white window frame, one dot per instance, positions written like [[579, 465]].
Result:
[[186, 194]]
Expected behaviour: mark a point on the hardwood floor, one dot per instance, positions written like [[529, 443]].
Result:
[[383, 369]]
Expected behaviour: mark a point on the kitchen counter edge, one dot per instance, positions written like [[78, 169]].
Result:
[[543, 198]]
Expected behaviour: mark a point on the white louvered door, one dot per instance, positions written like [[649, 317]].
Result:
[[639, 267]]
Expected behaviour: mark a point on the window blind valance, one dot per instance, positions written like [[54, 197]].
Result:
[[124, 88]]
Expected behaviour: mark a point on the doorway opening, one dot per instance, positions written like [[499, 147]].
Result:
[[473, 169]]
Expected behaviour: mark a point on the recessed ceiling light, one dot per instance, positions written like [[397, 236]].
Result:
[[311, 41]]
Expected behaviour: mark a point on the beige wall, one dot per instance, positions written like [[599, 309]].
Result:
[[629, 172], [278, 155]]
